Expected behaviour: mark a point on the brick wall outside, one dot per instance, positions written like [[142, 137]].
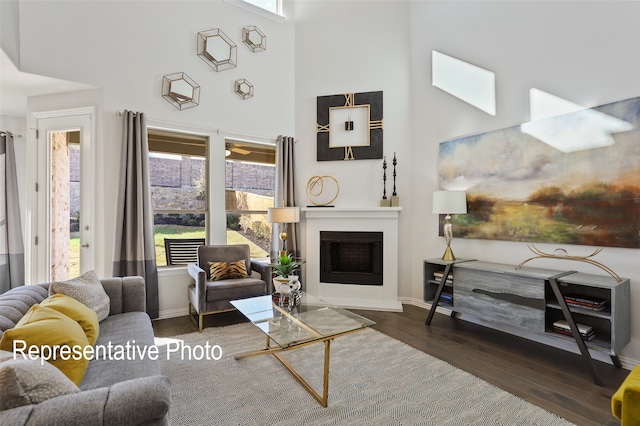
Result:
[[174, 182], [253, 178], [60, 206]]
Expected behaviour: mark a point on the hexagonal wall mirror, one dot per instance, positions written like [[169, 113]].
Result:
[[180, 90], [217, 50], [254, 39], [243, 88]]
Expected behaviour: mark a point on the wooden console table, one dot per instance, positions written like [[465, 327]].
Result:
[[530, 300]]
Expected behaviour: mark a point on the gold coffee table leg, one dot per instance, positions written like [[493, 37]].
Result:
[[322, 399]]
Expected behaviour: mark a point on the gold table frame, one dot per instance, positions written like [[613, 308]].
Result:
[[323, 398]]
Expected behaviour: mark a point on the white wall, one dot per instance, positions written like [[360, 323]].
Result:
[[125, 48], [585, 52], [352, 47]]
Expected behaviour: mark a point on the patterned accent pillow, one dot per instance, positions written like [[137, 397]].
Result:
[[86, 289], [24, 382], [227, 270]]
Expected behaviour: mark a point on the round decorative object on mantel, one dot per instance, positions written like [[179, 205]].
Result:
[[316, 190]]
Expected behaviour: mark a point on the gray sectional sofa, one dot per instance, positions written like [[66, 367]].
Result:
[[113, 392]]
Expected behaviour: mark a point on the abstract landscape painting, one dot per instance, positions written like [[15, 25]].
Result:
[[569, 179]]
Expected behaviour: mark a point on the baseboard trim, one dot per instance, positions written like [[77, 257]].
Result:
[[173, 313]]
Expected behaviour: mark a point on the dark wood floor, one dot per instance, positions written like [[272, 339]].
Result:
[[547, 377]]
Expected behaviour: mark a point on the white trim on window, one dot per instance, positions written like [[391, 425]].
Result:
[[258, 10]]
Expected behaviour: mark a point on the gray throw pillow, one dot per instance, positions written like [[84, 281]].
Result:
[[25, 382], [86, 289]]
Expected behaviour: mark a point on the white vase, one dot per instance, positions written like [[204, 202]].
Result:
[[285, 285]]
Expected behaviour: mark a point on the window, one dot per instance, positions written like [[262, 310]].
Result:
[[270, 9], [274, 6], [249, 190], [179, 181]]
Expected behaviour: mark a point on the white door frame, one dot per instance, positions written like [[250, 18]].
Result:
[[37, 235]]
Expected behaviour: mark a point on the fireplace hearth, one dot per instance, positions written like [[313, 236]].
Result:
[[351, 257]]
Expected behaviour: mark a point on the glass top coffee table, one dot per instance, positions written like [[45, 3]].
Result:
[[290, 327]]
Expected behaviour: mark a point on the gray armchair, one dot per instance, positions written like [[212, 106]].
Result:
[[210, 297]]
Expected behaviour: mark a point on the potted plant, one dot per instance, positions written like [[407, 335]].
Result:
[[284, 270]]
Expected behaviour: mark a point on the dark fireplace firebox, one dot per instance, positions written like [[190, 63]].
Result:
[[351, 257]]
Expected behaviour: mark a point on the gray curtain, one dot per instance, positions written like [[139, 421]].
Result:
[[285, 195], [11, 245], [134, 249]]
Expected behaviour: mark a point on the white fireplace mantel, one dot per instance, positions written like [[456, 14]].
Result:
[[376, 219]]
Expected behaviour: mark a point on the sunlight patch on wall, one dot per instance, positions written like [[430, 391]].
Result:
[[569, 127], [470, 83], [544, 105]]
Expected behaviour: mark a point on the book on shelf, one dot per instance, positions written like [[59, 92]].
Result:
[[592, 303], [437, 276], [446, 299], [562, 327]]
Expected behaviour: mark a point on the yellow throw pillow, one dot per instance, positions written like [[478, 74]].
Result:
[[77, 311], [227, 270], [52, 333]]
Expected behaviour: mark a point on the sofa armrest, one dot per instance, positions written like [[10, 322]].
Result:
[[127, 294], [200, 278], [264, 269], [133, 402], [139, 401]]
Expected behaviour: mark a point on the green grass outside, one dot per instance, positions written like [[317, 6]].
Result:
[[74, 255], [162, 232], [177, 231]]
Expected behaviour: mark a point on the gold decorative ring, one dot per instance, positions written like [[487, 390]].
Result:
[[315, 188]]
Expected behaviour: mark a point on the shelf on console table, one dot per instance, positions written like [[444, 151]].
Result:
[[528, 301]]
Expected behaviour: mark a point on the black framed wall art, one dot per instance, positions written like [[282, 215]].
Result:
[[349, 126]]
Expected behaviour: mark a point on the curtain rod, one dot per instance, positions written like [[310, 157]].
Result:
[[19, 136], [217, 130]]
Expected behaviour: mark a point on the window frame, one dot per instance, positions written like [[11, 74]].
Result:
[[277, 16], [206, 212], [252, 212]]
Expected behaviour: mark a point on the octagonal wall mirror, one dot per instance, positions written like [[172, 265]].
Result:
[[243, 88], [180, 90], [254, 39], [217, 50]]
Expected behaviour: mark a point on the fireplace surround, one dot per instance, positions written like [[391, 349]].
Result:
[[349, 222]]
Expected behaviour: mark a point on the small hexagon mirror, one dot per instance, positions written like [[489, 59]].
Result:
[[180, 90], [217, 50], [254, 39], [243, 88]]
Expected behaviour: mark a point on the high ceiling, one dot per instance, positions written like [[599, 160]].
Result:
[[16, 86]]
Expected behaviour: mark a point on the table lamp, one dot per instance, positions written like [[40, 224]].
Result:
[[283, 215], [449, 202]]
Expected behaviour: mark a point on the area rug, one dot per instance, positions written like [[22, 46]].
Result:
[[374, 380]]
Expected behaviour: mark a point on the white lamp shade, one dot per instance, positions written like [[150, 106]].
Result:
[[283, 214], [449, 202]]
